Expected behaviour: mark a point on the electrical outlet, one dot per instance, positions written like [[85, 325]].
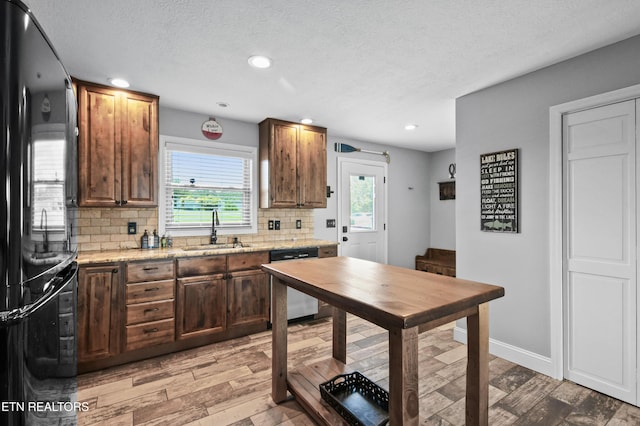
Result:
[[298, 224], [270, 225], [132, 228], [331, 223], [277, 225]]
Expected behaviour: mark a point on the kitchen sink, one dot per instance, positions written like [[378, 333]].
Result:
[[215, 246]]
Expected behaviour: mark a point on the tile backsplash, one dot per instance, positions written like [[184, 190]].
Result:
[[106, 228]]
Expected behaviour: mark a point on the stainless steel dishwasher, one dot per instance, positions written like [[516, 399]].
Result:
[[299, 305]]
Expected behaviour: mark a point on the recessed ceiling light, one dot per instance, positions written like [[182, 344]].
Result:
[[222, 104], [119, 82], [258, 61], [306, 121], [410, 126]]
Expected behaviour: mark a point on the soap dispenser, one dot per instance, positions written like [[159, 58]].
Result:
[[156, 239], [145, 240]]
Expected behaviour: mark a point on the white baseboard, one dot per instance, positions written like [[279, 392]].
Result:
[[512, 353]]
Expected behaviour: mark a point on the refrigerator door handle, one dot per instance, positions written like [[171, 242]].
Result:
[[51, 289]]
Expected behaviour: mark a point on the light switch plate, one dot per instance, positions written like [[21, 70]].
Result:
[[132, 228], [298, 224], [277, 225], [270, 225]]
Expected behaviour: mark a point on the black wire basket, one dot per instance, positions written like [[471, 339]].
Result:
[[357, 399]]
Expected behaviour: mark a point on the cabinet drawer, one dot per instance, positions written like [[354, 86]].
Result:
[[150, 311], [148, 292], [239, 262], [150, 333], [66, 302], [330, 251], [149, 271], [67, 324], [208, 265]]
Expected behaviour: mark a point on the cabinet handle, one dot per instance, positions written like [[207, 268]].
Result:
[[114, 271], [150, 268], [123, 202], [151, 310], [118, 203], [150, 330], [152, 289]]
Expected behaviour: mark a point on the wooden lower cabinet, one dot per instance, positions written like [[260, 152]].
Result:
[[201, 306], [98, 313], [248, 298], [128, 311]]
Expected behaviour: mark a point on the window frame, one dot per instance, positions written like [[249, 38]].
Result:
[[209, 148], [47, 132]]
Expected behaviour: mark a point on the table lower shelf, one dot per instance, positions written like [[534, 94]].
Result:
[[304, 383]]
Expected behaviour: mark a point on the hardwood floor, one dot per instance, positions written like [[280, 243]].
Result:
[[229, 383]]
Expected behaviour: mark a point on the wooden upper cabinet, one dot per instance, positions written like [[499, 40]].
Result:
[[312, 167], [293, 165], [117, 147]]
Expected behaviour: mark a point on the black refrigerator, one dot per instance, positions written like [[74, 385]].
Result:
[[38, 211]]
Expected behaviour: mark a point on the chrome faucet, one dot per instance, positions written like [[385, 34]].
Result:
[[215, 220], [45, 237]]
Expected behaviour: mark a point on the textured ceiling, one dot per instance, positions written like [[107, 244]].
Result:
[[362, 68]]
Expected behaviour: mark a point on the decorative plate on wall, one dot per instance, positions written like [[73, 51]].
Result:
[[211, 129]]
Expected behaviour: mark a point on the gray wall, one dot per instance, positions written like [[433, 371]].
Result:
[[187, 124], [442, 212], [408, 222], [515, 114]]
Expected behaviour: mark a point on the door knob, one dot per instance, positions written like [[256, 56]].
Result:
[[345, 239]]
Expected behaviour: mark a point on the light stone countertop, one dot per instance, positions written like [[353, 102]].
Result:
[[108, 256]]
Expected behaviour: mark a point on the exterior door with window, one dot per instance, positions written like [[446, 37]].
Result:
[[600, 288], [362, 210]]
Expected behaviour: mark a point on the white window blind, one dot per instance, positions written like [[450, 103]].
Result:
[[200, 178], [48, 200]]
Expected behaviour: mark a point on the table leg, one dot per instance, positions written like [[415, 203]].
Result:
[[477, 412], [404, 404], [340, 335], [279, 341]]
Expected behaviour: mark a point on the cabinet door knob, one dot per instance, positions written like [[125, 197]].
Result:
[[114, 271]]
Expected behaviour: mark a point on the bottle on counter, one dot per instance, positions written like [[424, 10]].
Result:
[[169, 241], [156, 239], [163, 241], [144, 243]]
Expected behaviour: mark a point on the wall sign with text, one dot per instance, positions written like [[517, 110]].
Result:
[[499, 191]]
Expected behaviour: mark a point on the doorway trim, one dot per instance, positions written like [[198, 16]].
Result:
[[385, 166], [556, 226]]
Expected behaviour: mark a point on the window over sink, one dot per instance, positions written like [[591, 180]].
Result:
[[47, 154], [197, 177]]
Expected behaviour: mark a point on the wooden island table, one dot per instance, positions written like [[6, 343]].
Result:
[[403, 301]]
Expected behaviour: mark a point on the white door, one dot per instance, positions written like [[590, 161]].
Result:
[[600, 249], [362, 210]]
